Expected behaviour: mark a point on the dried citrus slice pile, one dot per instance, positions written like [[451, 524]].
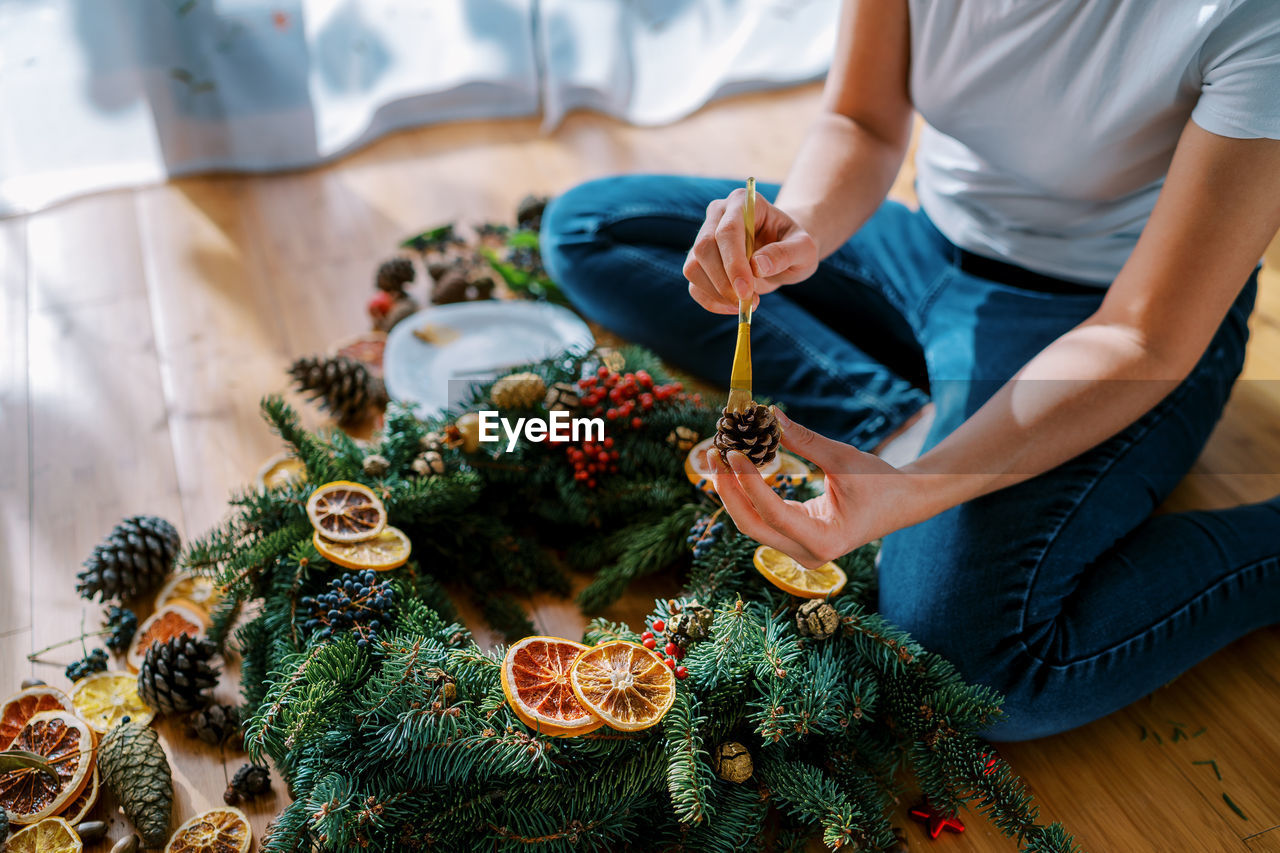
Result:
[[220, 830], [105, 698], [23, 705], [343, 511], [695, 466], [535, 679], [66, 743], [177, 618], [51, 835], [351, 528], [625, 684], [281, 470], [789, 576], [388, 550], [192, 589], [76, 810]]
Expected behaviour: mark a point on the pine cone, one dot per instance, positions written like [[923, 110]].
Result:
[[214, 725], [753, 432], [394, 274], [817, 619], [692, 624], [529, 212], [375, 465], [562, 397], [250, 781], [518, 391], [176, 676], [342, 385], [134, 768], [459, 283], [132, 561]]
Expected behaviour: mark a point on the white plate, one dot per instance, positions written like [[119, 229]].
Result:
[[486, 339]]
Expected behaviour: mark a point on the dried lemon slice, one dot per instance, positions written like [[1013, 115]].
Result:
[[343, 511], [789, 576], [104, 699], [624, 684], [388, 550], [220, 830]]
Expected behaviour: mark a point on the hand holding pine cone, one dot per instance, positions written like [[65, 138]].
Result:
[[754, 432]]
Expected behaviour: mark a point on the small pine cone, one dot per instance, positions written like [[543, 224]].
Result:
[[460, 282], [691, 625], [732, 762], [250, 781], [682, 438], [529, 212], [342, 385], [562, 397], [375, 465], [214, 725], [431, 441], [428, 464], [176, 675], [753, 432], [395, 274], [518, 391], [132, 561], [817, 619]]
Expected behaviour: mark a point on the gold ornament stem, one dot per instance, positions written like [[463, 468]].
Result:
[[740, 376]]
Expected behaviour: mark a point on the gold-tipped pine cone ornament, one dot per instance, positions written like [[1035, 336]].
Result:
[[732, 762], [518, 391], [429, 463], [691, 625], [754, 432], [817, 619]]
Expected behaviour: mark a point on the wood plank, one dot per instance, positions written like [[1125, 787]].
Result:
[[15, 484], [1264, 842]]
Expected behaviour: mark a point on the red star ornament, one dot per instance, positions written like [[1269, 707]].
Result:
[[935, 820]]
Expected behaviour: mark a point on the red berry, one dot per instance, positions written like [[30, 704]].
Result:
[[682, 671], [591, 484], [380, 303], [608, 441], [679, 653], [636, 423], [580, 475], [612, 414], [671, 649], [670, 663], [602, 456], [659, 625], [602, 371], [650, 643], [646, 635]]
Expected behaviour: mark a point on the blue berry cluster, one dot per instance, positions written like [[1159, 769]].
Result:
[[95, 661], [358, 602], [122, 623], [704, 533], [785, 486]]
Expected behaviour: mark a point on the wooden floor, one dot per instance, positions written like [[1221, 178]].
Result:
[[139, 330]]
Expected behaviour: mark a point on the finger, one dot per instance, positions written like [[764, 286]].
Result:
[[706, 296], [745, 516], [798, 251], [731, 238], [824, 452], [789, 520], [706, 253]]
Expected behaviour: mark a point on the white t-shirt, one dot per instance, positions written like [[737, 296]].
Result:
[[1051, 123]]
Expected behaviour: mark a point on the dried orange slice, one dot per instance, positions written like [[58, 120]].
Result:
[[195, 589], [623, 683], [66, 743], [24, 704], [281, 470], [789, 576], [388, 550], [51, 835], [695, 466], [535, 679], [174, 619], [346, 512], [220, 830], [105, 698], [76, 810]]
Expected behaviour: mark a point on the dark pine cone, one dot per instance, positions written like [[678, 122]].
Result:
[[176, 676], [132, 561], [123, 624], [529, 212], [214, 725], [342, 385], [753, 432], [251, 780], [394, 274]]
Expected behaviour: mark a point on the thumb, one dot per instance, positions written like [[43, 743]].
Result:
[[794, 250], [818, 449]]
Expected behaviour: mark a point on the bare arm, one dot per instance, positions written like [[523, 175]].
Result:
[[844, 168], [1218, 209]]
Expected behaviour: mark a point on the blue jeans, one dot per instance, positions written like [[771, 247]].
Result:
[[1065, 592]]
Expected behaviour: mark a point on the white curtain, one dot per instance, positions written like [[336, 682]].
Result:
[[97, 94]]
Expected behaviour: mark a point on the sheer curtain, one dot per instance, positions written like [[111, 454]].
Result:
[[97, 94]]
